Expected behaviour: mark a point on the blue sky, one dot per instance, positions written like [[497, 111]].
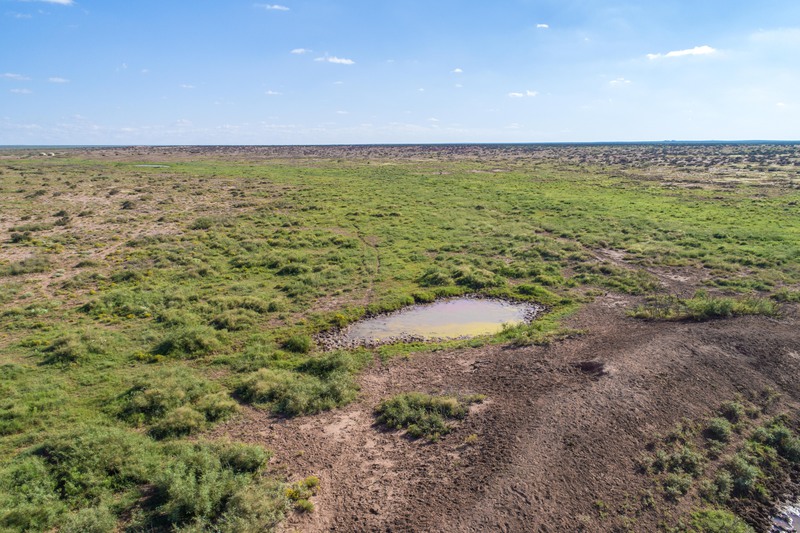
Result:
[[339, 71]]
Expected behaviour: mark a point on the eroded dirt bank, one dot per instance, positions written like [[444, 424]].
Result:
[[556, 442]]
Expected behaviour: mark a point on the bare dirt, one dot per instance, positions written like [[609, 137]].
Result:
[[555, 444]]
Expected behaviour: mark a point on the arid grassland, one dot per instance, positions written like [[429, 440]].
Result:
[[162, 369]]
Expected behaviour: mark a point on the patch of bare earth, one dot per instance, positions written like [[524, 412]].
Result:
[[557, 437]]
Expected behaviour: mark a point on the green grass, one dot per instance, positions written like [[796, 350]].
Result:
[[151, 311], [424, 415], [703, 306]]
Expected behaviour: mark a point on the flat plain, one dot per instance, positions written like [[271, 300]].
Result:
[[166, 316]]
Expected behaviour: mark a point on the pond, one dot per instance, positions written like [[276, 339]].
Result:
[[787, 519], [446, 319]]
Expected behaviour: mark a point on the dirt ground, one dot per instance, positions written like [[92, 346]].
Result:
[[557, 441]]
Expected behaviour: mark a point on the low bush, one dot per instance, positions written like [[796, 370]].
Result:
[[174, 402], [718, 521], [202, 490], [703, 307], [189, 342], [423, 415], [296, 393], [298, 344], [32, 265], [719, 429]]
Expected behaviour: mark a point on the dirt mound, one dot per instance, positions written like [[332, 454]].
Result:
[[554, 446]]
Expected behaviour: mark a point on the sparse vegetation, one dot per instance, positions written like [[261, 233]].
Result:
[[144, 317]]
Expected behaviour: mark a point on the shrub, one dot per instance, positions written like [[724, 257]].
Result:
[[423, 415], [676, 485], [232, 320], [734, 412], [180, 421], [476, 278], [189, 341], [32, 265], [298, 344], [171, 401], [90, 520], [719, 429], [435, 277], [217, 406], [295, 393], [745, 474], [242, 457], [72, 348], [718, 521], [202, 487], [32, 503], [780, 437]]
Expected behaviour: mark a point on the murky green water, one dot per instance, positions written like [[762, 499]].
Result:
[[463, 317]]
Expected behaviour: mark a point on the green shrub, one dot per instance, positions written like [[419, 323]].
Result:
[[776, 435], [32, 265], [232, 320], [718, 521], [703, 307], [189, 342], [72, 348], [295, 393], [676, 485], [178, 422], [476, 278], [734, 412], [174, 402], [719, 489], [298, 344], [242, 457], [31, 501], [745, 474], [90, 520], [719, 429], [423, 415], [202, 487], [435, 277]]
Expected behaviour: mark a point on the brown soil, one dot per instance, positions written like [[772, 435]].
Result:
[[557, 437]]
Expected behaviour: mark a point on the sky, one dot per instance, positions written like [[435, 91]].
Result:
[[116, 72]]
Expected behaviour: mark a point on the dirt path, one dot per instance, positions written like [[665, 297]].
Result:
[[555, 444]]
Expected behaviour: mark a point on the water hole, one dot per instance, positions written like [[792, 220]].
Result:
[[446, 319]]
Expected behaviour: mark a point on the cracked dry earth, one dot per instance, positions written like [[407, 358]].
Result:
[[560, 429]]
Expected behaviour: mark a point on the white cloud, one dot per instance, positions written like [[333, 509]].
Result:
[[528, 93], [619, 82], [696, 51], [273, 93], [457, 71], [20, 15], [15, 77], [336, 60], [458, 86], [21, 91], [543, 26], [186, 86], [300, 51], [340, 112], [272, 7], [56, 79]]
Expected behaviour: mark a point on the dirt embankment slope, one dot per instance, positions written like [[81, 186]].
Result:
[[556, 442]]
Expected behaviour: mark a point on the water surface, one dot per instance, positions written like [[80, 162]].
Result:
[[447, 319]]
